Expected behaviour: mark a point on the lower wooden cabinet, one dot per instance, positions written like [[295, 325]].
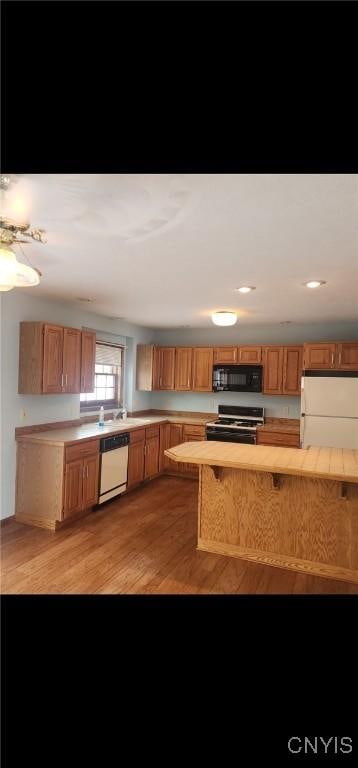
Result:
[[143, 455], [192, 433], [135, 463], [281, 439], [81, 484], [182, 433]]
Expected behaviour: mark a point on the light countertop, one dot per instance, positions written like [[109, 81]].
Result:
[[91, 430], [326, 463]]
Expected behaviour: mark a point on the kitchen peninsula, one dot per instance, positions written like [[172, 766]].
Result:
[[292, 508]]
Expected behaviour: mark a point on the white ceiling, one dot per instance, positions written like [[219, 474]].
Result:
[[167, 250]]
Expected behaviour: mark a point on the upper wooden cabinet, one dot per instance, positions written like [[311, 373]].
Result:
[[52, 352], [273, 369], [155, 367], [319, 356], [249, 355], [71, 364], [347, 353], [183, 366], [337, 355], [88, 361], [49, 359], [292, 370], [166, 367], [203, 369], [225, 355], [282, 370]]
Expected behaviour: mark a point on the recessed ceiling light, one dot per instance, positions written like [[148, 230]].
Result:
[[246, 288], [314, 283], [224, 318]]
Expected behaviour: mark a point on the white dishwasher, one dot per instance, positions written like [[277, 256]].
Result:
[[114, 466]]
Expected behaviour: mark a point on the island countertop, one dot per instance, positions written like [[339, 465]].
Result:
[[325, 463]]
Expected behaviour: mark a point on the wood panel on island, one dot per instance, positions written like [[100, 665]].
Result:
[[54, 359]]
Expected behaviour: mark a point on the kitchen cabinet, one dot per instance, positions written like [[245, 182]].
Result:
[[183, 368], [273, 370], [347, 356], [319, 356], [143, 455], [136, 451], [292, 370], [151, 463], [225, 355], [203, 369], [191, 433], [249, 355], [175, 438], [81, 477], [88, 361], [71, 363], [281, 439], [50, 359], [155, 367], [164, 443], [166, 367]]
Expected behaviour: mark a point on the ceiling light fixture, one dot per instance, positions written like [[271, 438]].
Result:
[[224, 318], [14, 274], [314, 283], [246, 288]]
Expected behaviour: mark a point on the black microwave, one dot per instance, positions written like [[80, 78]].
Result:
[[237, 378]]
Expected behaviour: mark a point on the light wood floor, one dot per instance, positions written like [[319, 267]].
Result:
[[142, 543]]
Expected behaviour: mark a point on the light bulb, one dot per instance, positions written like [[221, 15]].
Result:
[[224, 318]]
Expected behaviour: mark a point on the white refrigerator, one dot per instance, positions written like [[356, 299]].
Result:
[[329, 409]]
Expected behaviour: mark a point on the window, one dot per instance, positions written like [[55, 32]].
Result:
[[108, 378]]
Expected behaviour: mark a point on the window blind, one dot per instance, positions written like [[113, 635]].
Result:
[[108, 354]]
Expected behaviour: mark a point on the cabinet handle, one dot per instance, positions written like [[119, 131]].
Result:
[[66, 379], [61, 380], [160, 381], [87, 471], [340, 359], [332, 358], [82, 383]]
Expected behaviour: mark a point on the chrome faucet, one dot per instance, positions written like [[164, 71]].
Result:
[[120, 413]]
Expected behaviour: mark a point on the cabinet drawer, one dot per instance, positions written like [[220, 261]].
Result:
[[80, 450], [137, 436], [152, 431], [194, 429], [278, 438]]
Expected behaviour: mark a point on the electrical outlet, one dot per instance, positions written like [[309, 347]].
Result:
[[23, 414]]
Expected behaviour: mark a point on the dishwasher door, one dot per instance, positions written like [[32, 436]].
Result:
[[114, 467]]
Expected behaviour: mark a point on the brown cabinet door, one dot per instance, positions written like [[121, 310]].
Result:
[[225, 354], [273, 370], [156, 363], [167, 368], [319, 356], [53, 359], [90, 481], [191, 469], [183, 362], [203, 369], [164, 443], [151, 464], [135, 463], [249, 355], [88, 360], [73, 487], [71, 360], [175, 438], [292, 370], [347, 356]]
